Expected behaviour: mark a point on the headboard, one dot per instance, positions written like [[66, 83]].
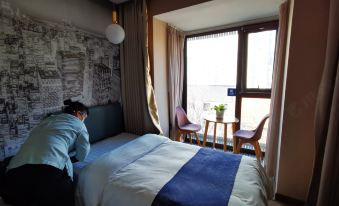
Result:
[[104, 121]]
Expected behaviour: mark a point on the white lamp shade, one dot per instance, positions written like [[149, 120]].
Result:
[[115, 33]]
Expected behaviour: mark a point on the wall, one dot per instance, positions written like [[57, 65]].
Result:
[[157, 47], [160, 72], [89, 15], [42, 63], [305, 66]]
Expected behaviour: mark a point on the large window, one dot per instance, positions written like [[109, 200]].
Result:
[[211, 70], [240, 58]]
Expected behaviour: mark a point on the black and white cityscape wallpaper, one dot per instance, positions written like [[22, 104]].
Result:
[[42, 64]]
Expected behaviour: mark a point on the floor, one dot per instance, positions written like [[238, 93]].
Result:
[[277, 203]]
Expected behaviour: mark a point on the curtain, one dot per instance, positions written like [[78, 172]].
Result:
[[277, 91], [175, 56], [324, 188], [140, 110]]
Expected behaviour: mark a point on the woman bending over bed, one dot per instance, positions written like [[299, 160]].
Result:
[[41, 172]]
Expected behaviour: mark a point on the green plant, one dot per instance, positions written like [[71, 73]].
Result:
[[220, 107]]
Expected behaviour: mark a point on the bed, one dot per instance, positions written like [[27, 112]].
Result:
[[127, 169]]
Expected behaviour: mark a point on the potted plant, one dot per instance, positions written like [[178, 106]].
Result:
[[219, 110]]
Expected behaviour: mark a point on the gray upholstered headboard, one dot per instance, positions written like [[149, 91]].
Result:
[[104, 121]]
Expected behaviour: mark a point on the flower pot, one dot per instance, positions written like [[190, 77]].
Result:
[[220, 114]]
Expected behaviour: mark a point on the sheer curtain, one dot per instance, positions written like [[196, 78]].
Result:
[[140, 110], [324, 189], [272, 145], [175, 52]]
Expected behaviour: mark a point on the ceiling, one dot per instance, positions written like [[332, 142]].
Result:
[[220, 12], [118, 1]]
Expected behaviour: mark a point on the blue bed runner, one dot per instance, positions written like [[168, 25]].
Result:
[[207, 179]]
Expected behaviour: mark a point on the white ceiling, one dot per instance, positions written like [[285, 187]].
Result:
[[220, 12]]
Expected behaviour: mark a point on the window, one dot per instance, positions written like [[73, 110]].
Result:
[[210, 74], [240, 58], [260, 64]]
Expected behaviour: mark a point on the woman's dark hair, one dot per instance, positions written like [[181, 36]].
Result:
[[72, 107]]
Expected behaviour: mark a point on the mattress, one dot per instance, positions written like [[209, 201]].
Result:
[[153, 170], [101, 147]]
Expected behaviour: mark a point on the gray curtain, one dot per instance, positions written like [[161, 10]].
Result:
[[324, 189], [277, 91], [140, 110], [175, 56]]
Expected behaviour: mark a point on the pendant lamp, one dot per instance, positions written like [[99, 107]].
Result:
[[114, 32]]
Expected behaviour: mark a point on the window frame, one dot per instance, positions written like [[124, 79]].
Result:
[[246, 30], [242, 91]]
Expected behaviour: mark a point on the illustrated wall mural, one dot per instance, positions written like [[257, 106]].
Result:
[[42, 64]]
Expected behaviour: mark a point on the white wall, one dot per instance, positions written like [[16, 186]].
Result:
[[160, 73], [89, 15]]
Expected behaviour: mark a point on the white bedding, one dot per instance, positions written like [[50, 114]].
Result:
[[102, 147], [134, 173]]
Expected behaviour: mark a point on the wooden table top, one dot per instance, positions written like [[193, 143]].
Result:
[[227, 119]]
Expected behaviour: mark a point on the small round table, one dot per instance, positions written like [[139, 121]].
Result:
[[226, 120]]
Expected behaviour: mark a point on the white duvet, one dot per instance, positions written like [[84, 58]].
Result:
[[134, 173]]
